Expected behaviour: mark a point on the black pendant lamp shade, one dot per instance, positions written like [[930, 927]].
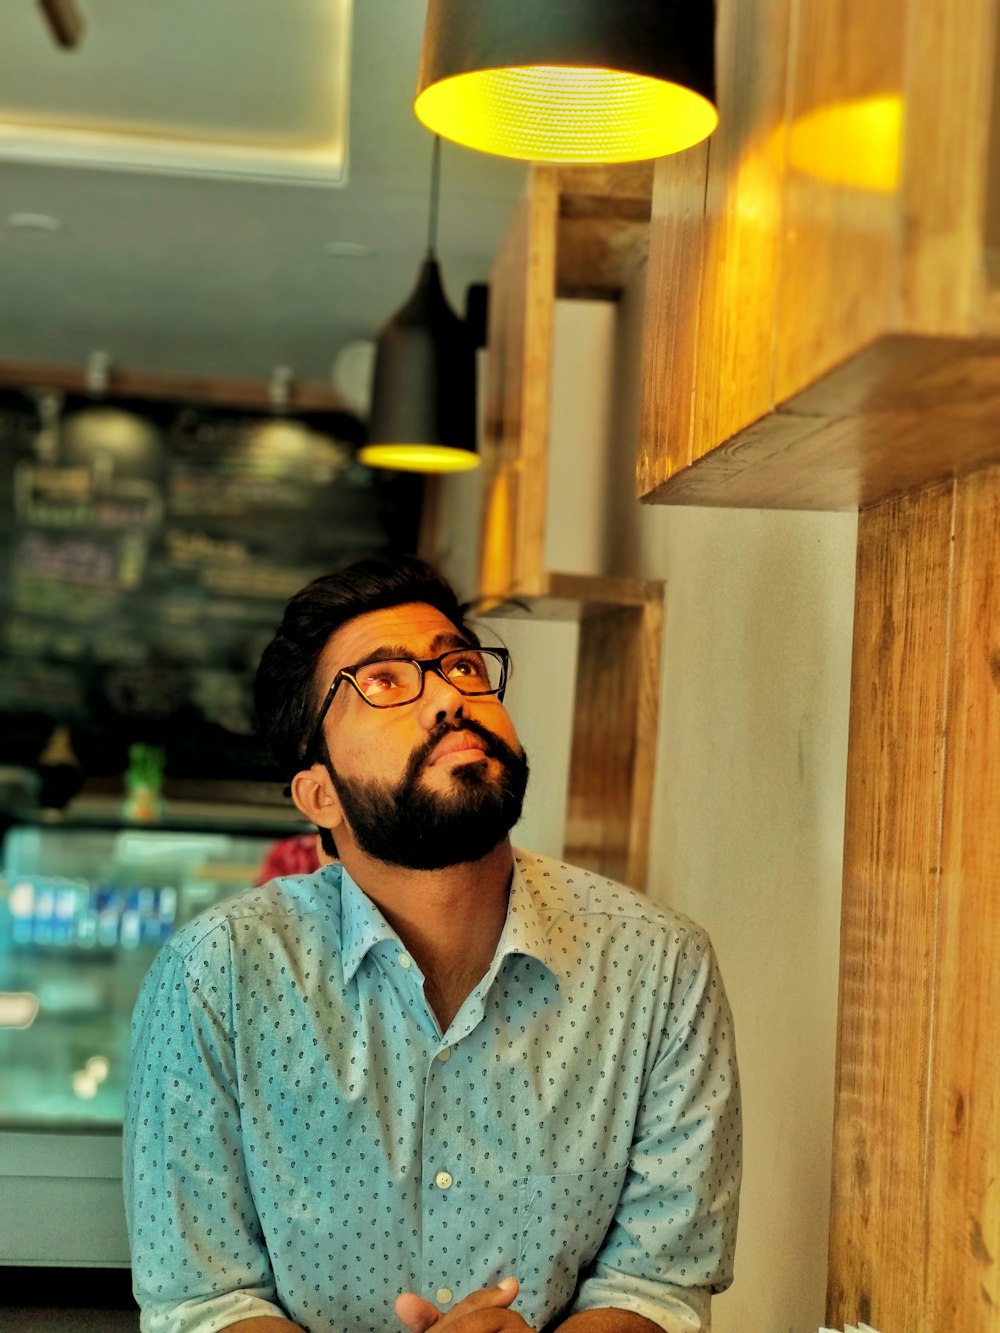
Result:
[[423, 413], [423, 409], [569, 80]]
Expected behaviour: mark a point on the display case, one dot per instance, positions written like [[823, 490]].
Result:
[[83, 911]]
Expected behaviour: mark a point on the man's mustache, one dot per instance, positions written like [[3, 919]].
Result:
[[495, 747]]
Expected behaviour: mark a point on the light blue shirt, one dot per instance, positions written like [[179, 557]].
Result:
[[303, 1140]]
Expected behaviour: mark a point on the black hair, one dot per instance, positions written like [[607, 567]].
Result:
[[285, 686]]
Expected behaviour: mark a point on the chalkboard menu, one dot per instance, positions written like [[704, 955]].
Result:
[[147, 550]]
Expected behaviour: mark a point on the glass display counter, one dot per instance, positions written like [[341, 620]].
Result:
[[82, 913]]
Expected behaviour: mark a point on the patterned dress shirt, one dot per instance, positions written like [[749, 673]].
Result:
[[303, 1140]]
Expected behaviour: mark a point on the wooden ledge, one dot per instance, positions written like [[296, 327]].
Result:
[[905, 411]]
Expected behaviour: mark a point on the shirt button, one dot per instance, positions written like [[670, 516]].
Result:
[[444, 1180], [443, 1055], [405, 960], [444, 1295]]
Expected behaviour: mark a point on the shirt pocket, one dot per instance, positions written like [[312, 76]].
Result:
[[564, 1219]]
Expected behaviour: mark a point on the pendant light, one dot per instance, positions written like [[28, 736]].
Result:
[[569, 80], [423, 409]]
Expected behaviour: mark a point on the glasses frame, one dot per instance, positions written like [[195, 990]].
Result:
[[423, 665]]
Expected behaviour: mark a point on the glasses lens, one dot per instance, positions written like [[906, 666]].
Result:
[[473, 670], [387, 683]]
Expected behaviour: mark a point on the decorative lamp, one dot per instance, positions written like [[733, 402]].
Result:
[[423, 405], [569, 80]]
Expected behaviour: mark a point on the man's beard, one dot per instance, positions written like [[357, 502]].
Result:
[[418, 827]]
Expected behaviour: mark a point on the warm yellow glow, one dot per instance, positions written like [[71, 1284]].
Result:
[[418, 457], [856, 144], [496, 575], [557, 113]]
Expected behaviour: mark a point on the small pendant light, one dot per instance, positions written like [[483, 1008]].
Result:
[[569, 80], [423, 410]]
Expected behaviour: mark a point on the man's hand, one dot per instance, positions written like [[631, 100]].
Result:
[[483, 1312]]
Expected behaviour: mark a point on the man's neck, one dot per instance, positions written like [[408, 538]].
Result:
[[450, 920]]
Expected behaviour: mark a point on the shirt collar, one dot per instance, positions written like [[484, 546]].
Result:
[[524, 931], [363, 926]]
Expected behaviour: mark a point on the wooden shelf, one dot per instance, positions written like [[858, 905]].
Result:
[[799, 276], [615, 709], [904, 411], [206, 391]]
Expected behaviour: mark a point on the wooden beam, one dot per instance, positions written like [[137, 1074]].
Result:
[[64, 21], [198, 390], [915, 1219]]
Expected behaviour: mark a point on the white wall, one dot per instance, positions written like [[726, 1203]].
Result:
[[748, 811], [747, 839], [540, 701]]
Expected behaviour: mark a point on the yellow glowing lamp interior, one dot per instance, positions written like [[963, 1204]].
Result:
[[558, 113], [418, 457]]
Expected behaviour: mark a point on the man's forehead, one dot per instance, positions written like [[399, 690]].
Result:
[[411, 630]]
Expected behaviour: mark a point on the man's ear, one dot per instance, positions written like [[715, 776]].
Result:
[[315, 796]]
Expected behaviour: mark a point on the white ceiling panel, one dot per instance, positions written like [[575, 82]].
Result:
[[225, 273], [248, 88]]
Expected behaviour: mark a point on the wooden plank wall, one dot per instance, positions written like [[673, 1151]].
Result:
[[915, 1221], [842, 198]]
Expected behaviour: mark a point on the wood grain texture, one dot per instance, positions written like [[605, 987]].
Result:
[[903, 412], [803, 254], [603, 228], [614, 740], [952, 65], [518, 391], [915, 1220], [708, 347], [839, 240], [671, 318], [963, 1249], [890, 894]]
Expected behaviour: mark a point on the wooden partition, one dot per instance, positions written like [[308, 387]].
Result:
[[915, 1240], [576, 232], [615, 710]]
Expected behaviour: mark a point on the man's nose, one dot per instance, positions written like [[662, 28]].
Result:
[[440, 700]]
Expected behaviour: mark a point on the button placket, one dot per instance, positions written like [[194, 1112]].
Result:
[[442, 1205]]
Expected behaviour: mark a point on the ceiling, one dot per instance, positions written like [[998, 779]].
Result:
[[220, 187]]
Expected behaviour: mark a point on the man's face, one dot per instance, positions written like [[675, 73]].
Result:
[[431, 783]]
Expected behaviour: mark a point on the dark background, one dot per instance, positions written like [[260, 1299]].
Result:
[[147, 549]]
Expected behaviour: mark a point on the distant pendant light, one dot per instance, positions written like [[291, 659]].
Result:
[[569, 80], [423, 410]]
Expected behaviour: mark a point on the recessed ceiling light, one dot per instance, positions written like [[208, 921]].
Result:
[[348, 250], [33, 222]]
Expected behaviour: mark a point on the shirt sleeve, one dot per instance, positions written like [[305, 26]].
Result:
[[671, 1243], [199, 1261]]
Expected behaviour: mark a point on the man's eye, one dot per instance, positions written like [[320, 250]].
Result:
[[468, 667], [376, 680]]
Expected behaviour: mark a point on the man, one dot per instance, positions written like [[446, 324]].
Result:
[[436, 1082]]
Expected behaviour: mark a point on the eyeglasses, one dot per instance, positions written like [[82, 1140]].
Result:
[[400, 680]]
